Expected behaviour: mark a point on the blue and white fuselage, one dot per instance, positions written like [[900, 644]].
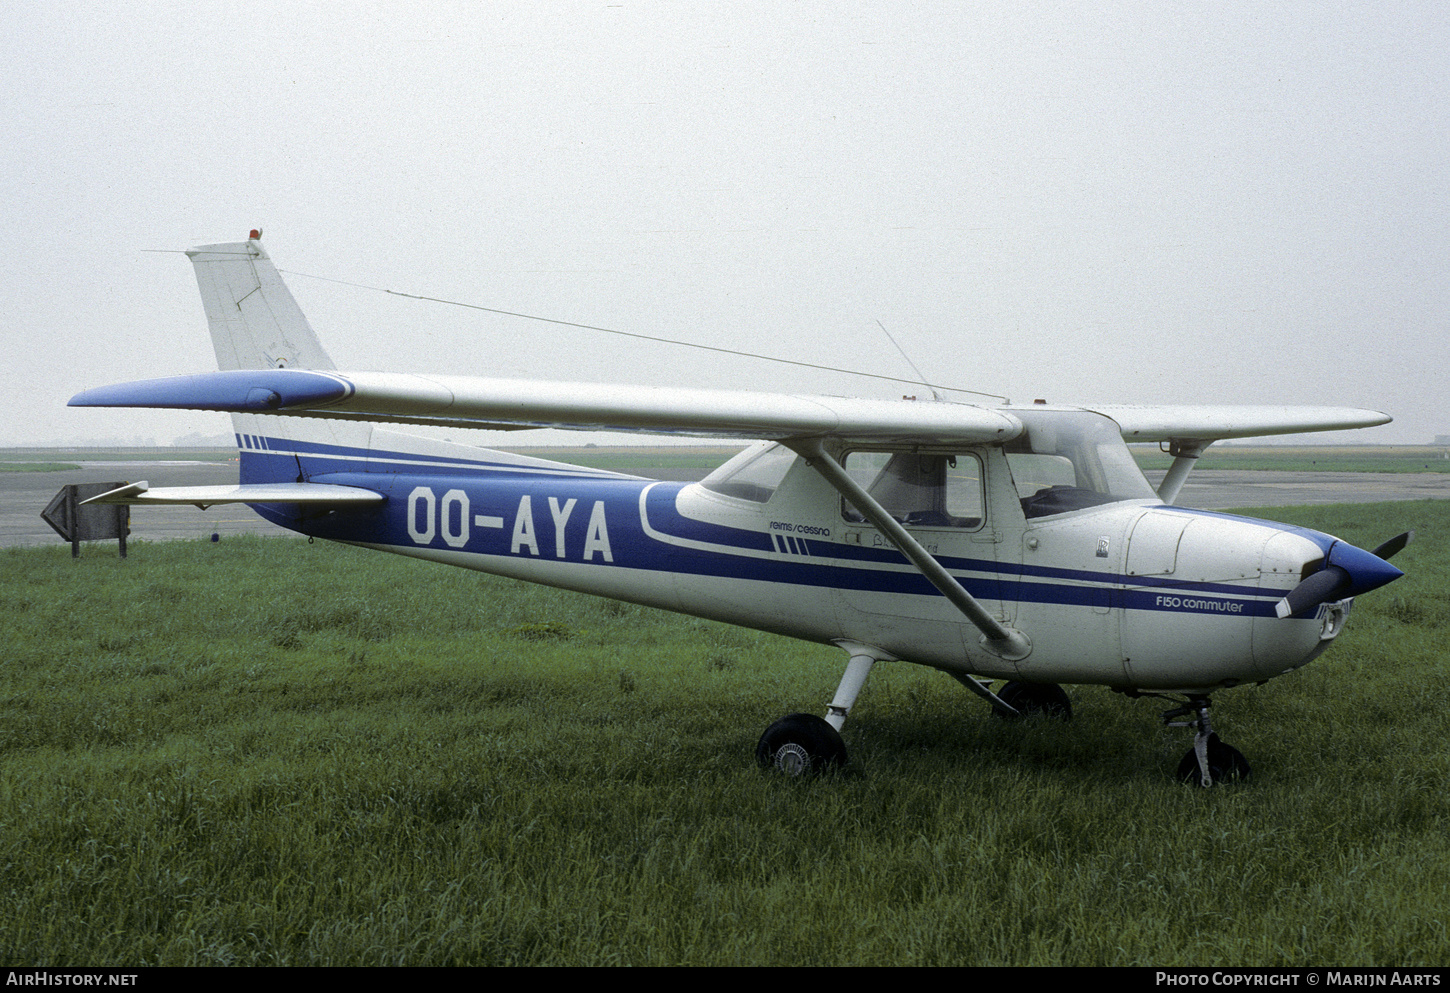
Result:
[[1132, 593], [1006, 542]]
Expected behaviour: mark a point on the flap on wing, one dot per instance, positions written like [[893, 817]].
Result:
[[1213, 423], [141, 494], [458, 401]]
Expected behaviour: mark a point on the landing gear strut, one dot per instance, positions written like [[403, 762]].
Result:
[[1209, 761], [799, 744]]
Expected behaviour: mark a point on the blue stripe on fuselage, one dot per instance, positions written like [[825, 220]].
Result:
[[495, 508], [1324, 541], [274, 460]]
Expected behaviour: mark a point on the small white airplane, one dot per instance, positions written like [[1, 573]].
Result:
[[1014, 542]]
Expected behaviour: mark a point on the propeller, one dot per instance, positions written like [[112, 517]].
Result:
[[1392, 547], [1348, 571]]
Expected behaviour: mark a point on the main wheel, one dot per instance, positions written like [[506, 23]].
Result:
[[1034, 699], [1226, 764], [799, 744]]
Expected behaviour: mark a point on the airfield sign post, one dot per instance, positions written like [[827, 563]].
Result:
[[97, 522]]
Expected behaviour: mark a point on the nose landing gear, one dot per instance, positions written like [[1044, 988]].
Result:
[[1209, 761]]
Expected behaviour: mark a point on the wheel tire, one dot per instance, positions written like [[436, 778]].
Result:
[[1226, 764], [1036, 700], [800, 744]]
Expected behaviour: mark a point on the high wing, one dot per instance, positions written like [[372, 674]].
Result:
[[1189, 430], [1182, 423], [273, 363], [511, 404]]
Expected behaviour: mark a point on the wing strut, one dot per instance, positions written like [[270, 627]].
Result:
[[1185, 454], [997, 638]]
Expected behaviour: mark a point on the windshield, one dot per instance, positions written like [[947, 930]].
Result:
[[1068, 460]]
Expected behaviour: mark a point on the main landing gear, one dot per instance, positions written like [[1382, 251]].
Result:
[[1035, 699], [799, 744]]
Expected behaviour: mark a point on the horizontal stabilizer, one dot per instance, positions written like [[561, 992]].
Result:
[[141, 494]]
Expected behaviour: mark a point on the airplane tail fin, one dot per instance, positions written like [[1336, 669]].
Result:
[[256, 324]]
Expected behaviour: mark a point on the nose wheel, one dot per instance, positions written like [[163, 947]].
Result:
[[1036, 699], [1224, 763], [1209, 761]]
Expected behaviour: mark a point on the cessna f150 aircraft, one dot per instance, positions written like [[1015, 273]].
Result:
[[1010, 542]]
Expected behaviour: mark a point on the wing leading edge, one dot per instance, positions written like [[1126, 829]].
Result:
[[1181, 423], [510, 404]]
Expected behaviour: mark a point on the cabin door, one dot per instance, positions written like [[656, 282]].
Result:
[[940, 497]]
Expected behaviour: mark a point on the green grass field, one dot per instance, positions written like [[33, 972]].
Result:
[[268, 752], [37, 466]]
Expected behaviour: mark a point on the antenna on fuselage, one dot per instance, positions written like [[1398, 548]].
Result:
[[655, 338], [919, 375]]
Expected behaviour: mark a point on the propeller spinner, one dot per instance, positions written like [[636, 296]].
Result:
[[1348, 571]]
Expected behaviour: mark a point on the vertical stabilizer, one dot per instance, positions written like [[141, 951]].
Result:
[[256, 324]]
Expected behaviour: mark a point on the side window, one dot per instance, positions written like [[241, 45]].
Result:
[[964, 494], [1033, 472], [1071, 460], [920, 489], [752, 475]]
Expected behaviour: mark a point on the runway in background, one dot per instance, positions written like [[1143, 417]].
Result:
[[23, 495]]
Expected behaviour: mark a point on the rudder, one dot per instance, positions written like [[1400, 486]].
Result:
[[255, 322]]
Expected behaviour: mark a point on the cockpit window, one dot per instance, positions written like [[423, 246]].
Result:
[[1068, 460], [920, 489], [754, 474]]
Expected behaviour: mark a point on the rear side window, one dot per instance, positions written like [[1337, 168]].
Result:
[[754, 474]]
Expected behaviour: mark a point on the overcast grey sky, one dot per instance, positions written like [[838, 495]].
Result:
[[1225, 202]]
